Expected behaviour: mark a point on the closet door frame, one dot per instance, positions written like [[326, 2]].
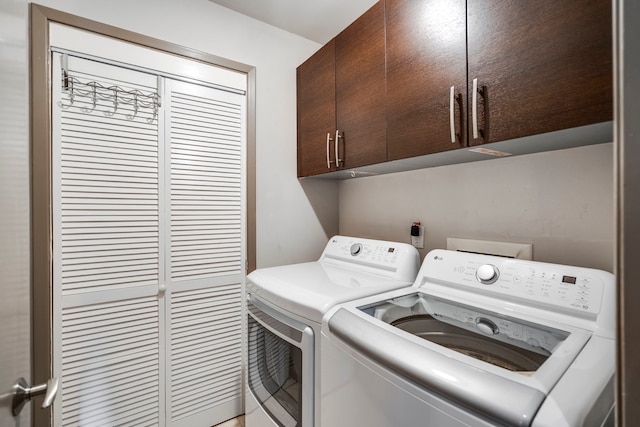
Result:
[[41, 178]]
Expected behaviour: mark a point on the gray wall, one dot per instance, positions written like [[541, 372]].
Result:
[[14, 215], [561, 201]]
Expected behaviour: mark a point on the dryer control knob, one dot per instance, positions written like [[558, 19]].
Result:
[[487, 274]]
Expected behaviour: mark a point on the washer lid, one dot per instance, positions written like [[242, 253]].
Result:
[[516, 358], [501, 340], [310, 289], [498, 398], [511, 396]]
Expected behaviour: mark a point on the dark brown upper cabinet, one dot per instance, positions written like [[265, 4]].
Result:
[[341, 100], [316, 97], [539, 66], [461, 75], [360, 90], [426, 76], [417, 77]]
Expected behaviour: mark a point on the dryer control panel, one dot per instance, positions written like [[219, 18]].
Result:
[[393, 259]]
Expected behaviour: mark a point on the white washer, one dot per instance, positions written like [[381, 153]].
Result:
[[476, 341], [285, 306]]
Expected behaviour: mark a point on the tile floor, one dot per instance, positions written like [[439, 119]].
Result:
[[234, 422]]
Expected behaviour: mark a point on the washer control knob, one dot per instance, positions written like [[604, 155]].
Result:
[[486, 326], [356, 248], [487, 274]]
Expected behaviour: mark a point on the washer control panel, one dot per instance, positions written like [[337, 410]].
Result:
[[572, 288]]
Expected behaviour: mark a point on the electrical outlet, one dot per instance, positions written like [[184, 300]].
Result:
[[418, 241]]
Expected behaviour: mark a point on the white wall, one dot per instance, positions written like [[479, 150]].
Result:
[[288, 228], [561, 201], [15, 344]]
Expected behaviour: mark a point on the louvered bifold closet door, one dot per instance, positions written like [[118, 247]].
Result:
[[205, 153], [107, 246]]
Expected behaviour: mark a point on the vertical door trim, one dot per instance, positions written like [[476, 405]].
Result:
[[40, 173], [627, 207], [41, 225]]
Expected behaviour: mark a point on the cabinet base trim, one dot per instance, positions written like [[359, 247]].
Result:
[[598, 133]]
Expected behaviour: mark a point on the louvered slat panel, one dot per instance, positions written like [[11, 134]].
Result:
[[210, 352], [223, 244], [106, 224], [197, 351], [109, 240], [188, 152], [205, 348], [109, 186], [206, 194], [110, 363], [99, 179], [196, 334]]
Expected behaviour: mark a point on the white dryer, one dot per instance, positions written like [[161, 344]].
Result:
[[285, 306], [476, 341]]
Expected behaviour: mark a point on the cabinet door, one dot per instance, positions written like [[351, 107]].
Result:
[[316, 93], [360, 90], [426, 55], [543, 66]]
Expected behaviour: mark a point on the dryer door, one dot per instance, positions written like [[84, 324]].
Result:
[[280, 365]]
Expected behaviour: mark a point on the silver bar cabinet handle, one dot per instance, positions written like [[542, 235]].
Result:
[[22, 393], [474, 108], [452, 120], [338, 159], [329, 161]]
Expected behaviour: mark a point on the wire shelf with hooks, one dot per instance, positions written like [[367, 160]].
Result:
[[92, 96]]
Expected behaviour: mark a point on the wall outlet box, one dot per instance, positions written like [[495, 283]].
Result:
[[418, 241]]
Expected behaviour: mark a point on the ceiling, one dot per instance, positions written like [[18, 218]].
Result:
[[317, 20]]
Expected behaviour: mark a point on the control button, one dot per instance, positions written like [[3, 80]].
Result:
[[486, 326], [487, 274], [356, 248]]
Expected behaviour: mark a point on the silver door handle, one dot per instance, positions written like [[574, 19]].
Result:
[[452, 120], [474, 108], [338, 159], [329, 161], [22, 393]]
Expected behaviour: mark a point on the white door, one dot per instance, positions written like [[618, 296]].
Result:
[[107, 245], [205, 263], [15, 322], [15, 319], [148, 247]]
